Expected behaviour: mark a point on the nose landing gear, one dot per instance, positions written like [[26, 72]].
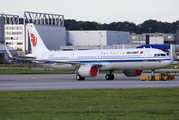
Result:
[[152, 75], [109, 76]]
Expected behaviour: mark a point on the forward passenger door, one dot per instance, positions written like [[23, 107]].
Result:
[[145, 57]]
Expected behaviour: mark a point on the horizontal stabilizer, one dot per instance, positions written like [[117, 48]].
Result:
[[19, 57]]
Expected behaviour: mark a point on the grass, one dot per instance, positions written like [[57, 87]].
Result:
[[30, 71], [19, 65], [110, 104], [173, 67], [35, 71], [19, 70]]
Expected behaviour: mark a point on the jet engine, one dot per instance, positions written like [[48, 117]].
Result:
[[88, 71], [132, 73]]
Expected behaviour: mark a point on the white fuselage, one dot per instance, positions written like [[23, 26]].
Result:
[[107, 60]]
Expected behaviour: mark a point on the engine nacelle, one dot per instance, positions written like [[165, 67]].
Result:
[[132, 73], [88, 71]]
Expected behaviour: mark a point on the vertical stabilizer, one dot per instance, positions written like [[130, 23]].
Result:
[[9, 54], [37, 44]]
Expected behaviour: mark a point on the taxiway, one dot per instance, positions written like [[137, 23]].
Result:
[[67, 81]]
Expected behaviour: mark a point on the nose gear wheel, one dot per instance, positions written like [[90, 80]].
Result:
[[109, 77]]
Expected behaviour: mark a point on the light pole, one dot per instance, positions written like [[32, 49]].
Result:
[[101, 41], [100, 35], [150, 30]]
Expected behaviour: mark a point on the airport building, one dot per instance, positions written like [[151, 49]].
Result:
[[49, 26], [3, 57], [51, 29], [11, 32], [91, 38], [153, 38], [103, 39], [15, 34]]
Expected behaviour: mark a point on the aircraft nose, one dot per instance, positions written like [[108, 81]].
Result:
[[169, 62]]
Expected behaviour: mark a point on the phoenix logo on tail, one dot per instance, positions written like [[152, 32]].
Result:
[[33, 40]]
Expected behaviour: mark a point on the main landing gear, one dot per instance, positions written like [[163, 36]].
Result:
[[109, 76], [79, 78]]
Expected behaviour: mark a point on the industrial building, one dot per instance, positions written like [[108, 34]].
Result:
[[49, 26], [85, 40], [51, 29], [11, 32], [91, 38], [153, 38], [14, 36]]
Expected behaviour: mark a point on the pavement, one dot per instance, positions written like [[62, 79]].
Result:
[[68, 81]]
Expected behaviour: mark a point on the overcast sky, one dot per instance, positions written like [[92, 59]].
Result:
[[102, 11]]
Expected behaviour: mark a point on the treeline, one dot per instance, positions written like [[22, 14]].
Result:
[[156, 26]]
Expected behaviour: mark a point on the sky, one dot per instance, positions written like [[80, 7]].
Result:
[[101, 11]]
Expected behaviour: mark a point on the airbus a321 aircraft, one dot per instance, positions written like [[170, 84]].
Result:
[[88, 63]]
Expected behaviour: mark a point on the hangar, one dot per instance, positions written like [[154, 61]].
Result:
[[49, 26], [104, 37], [14, 32]]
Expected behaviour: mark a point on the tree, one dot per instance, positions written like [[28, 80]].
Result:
[[157, 26]]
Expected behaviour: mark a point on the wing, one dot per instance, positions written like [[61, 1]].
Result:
[[19, 57], [77, 64]]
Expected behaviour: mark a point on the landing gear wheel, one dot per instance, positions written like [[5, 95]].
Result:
[[112, 77], [82, 78], [78, 78], [109, 77], [152, 75]]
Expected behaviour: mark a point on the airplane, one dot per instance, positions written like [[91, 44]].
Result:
[[88, 63]]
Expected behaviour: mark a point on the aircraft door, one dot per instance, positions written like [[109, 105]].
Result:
[[146, 55], [72, 57], [99, 56]]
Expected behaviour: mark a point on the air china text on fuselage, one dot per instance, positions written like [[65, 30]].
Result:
[[133, 52]]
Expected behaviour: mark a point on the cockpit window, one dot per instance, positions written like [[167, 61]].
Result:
[[159, 54], [163, 55]]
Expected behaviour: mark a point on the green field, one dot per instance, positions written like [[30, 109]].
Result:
[[19, 69], [30, 71], [97, 104]]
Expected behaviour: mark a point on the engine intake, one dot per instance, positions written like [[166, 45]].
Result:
[[132, 73], [88, 71]]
